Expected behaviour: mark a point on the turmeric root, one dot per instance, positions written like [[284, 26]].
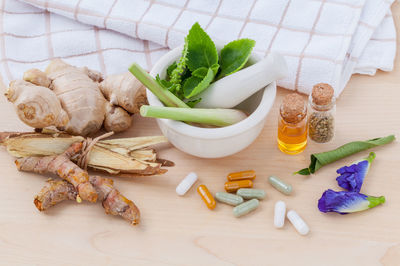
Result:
[[54, 192], [112, 200], [124, 90], [62, 166], [36, 106]]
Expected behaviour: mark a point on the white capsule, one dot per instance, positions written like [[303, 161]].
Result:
[[298, 222], [186, 184], [280, 212]]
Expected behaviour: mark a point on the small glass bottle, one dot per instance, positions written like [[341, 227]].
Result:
[[321, 120], [292, 124]]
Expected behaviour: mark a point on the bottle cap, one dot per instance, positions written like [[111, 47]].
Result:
[[293, 108], [322, 94]]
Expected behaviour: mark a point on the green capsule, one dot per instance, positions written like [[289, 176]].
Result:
[[228, 198], [280, 185], [251, 193], [245, 207]]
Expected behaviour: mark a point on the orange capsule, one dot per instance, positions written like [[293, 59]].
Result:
[[206, 196], [232, 186], [249, 174]]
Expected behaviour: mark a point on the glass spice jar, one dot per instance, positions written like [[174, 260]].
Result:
[[321, 120], [292, 124]]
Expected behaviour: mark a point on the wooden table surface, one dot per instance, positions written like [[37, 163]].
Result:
[[182, 231]]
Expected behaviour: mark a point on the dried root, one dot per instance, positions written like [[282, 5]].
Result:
[[125, 156]]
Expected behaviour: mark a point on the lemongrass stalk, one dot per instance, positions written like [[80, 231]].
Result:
[[164, 95], [213, 117]]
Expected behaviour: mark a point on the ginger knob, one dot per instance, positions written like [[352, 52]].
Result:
[[36, 106], [124, 90], [117, 119]]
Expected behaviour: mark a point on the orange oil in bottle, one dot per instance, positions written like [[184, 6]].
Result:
[[292, 124], [292, 138]]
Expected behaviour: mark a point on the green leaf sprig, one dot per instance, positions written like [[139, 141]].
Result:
[[200, 64]]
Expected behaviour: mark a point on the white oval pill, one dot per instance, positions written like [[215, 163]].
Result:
[[298, 222], [280, 213], [186, 184]]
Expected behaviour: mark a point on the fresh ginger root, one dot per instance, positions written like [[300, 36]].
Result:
[[62, 166], [112, 200], [36, 106], [37, 77], [74, 99], [80, 97], [124, 90], [117, 119]]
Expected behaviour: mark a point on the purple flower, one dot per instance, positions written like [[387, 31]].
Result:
[[352, 177], [344, 202]]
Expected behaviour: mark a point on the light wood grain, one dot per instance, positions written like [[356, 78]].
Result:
[[182, 231]]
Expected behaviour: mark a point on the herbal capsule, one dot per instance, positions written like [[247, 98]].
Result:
[[279, 214], [228, 198], [251, 193], [206, 196], [233, 186], [245, 207], [186, 184], [280, 185], [249, 174], [298, 222]]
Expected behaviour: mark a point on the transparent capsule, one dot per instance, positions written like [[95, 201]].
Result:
[[245, 207], [298, 222], [251, 193], [206, 196], [249, 174], [186, 184], [279, 214], [228, 198], [280, 185], [233, 186]]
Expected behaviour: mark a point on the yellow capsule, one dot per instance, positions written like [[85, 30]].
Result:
[[249, 174], [206, 196], [233, 186]]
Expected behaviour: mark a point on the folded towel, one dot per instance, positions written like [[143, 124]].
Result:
[[322, 40]]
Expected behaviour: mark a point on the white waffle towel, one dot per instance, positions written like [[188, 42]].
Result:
[[322, 40]]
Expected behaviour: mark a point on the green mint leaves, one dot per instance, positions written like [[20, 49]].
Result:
[[234, 56], [200, 64], [194, 85], [201, 49]]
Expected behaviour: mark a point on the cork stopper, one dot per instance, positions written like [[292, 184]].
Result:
[[322, 94], [293, 108]]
